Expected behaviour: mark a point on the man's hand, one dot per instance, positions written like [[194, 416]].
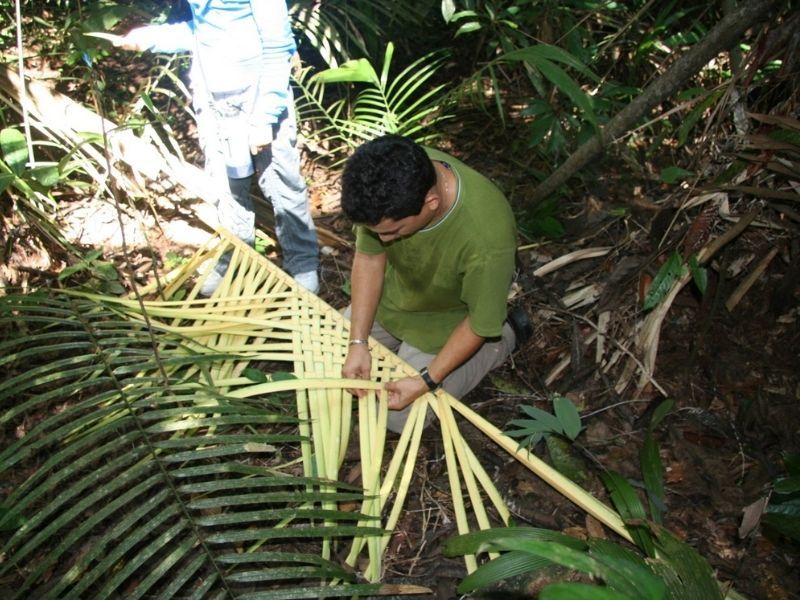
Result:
[[357, 365], [404, 391], [136, 40], [259, 137]]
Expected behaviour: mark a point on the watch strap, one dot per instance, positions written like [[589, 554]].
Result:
[[426, 377]]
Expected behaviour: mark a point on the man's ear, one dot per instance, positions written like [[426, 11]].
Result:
[[432, 200]]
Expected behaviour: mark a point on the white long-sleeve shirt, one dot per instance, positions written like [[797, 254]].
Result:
[[234, 44]]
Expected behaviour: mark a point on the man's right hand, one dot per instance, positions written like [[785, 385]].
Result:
[[357, 365], [135, 40]]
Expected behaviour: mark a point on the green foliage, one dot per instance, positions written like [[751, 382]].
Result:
[[132, 475], [342, 29], [699, 274], [783, 511], [697, 113], [672, 27], [566, 421], [97, 16], [672, 175], [541, 220], [401, 104], [97, 274], [495, 21], [671, 271], [30, 186], [652, 467], [559, 113], [660, 567]]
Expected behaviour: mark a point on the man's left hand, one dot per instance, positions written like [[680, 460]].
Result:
[[259, 137], [404, 391]]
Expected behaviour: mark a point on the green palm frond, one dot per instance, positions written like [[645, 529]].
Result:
[[336, 28], [148, 468], [402, 104]]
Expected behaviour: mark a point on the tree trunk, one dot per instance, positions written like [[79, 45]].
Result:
[[726, 33]]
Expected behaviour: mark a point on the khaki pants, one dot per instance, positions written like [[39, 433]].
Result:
[[459, 382]]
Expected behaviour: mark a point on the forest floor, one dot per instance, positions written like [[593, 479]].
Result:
[[733, 374], [734, 377]]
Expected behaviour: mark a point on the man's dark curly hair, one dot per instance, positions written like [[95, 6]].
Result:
[[387, 177]]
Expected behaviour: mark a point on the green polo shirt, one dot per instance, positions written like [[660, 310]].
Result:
[[461, 266]]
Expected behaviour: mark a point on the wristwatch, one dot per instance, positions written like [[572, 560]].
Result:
[[426, 377]]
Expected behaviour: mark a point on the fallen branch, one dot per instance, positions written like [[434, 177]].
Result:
[[724, 35], [751, 278]]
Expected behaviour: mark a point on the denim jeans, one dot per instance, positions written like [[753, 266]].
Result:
[[222, 128]]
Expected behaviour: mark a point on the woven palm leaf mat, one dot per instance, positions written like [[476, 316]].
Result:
[[261, 314]]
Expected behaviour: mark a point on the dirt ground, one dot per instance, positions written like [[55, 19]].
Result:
[[733, 374]]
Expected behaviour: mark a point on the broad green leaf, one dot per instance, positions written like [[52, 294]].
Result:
[[46, 175], [620, 570], [495, 539], [673, 174], [448, 10], [630, 508], [690, 93], [787, 485], [255, 375], [699, 274], [569, 87], [568, 416], [15, 149], [579, 591], [359, 70], [789, 508], [535, 54], [624, 496], [464, 13], [788, 525], [667, 275], [468, 27], [387, 62], [70, 271], [547, 419], [661, 411], [696, 114], [5, 181], [652, 474], [693, 577], [502, 568], [105, 270], [791, 461]]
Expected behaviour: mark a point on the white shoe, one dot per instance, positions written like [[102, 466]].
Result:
[[309, 280], [210, 284]]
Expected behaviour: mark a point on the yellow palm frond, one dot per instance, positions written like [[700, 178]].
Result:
[[261, 314]]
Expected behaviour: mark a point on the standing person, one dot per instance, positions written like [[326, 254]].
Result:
[[241, 63], [435, 255]]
